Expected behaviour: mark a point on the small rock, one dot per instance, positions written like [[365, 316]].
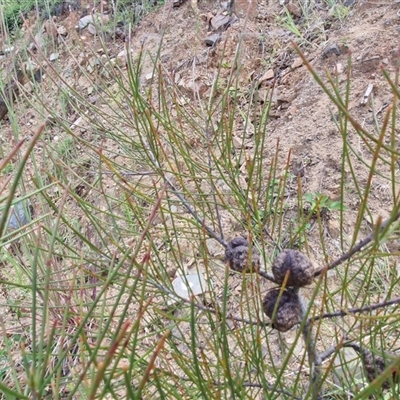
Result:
[[21, 214], [93, 99], [92, 29], [267, 76], [188, 285], [84, 82], [62, 31], [285, 97], [339, 68], [237, 144], [331, 49], [192, 87], [148, 77], [294, 9], [212, 40], [214, 248], [85, 21], [220, 21], [53, 56], [122, 58], [171, 271], [333, 228], [246, 8], [225, 5], [94, 61], [298, 62]]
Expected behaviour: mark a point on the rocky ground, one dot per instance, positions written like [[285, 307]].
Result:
[[196, 36]]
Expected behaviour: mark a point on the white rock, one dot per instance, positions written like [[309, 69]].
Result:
[[188, 285], [8, 49], [85, 21], [53, 56]]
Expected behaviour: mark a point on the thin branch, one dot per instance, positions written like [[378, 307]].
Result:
[[358, 247], [124, 173], [329, 351], [185, 203], [314, 357], [311, 320], [342, 313], [200, 220], [351, 311], [334, 349], [266, 275]]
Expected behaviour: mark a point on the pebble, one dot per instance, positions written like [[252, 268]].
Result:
[[212, 40], [85, 21], [267, 76], [62, 31], [92, 29], [21, 214], [298, 62], [220, 21], [294, 9], [331, 49], [53, 56]]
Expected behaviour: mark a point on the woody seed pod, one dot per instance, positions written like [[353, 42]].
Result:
[[374, 365], [288, 311], [237, 255], [296, 264]]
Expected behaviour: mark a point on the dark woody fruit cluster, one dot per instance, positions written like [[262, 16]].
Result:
[[239, 256], [294, 270], [296, 265], [374, 365], [290, 268], [287, 312]]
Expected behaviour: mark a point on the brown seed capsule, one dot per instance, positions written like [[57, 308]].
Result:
[[237, 255], [374, 365], [301, 270], [288, 312]]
